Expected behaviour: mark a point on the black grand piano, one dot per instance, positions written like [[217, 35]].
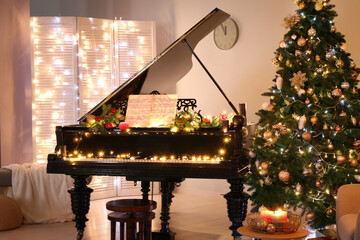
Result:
[[223, 147]]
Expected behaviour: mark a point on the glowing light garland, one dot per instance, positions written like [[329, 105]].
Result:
[[76, 62]]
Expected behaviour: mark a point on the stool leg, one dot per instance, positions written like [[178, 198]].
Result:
[[113, 230], [148, 235], [141, 230], [122, 231], [130, 231]]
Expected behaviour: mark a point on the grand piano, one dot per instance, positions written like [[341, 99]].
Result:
[[218, 151]]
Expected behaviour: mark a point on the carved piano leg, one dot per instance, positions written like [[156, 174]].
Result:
[[80, 203], [237, 205], [165, 206], [145, 189]]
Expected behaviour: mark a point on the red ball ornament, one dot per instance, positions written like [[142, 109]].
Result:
[[357, 144], [353, 162], [123, 126], [264, 165], [206, 120], [113, 110], [338, 129], [284, 175], [341, 159], [310, 216], [109, 126], [318, 183], [307, 101], [180, 120], [306, 136], [336, 92], [98, 119]]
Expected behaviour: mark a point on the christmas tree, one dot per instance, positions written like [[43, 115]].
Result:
[[308, 143]]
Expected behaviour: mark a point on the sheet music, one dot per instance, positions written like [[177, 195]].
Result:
[[151, 110]]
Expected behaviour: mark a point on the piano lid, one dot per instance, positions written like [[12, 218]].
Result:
[[167, 68]]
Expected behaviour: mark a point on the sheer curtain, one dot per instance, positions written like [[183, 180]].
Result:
[[15, 82]]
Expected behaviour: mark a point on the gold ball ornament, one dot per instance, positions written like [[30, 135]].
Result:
[[352, 64], [286, 207], [296, 2], [306, 136], [317, 58], [357, 177], [339, 63], [354, 75], [284, 175], [333, 28], [336, 92], [275, 61], [301, 42], [310, 216], [311, 32], [329, 211], [318, 6], [310, 91], [282, 44], [318, 183], [91, 119], [330, 146], [271, 107], [353, 162], [345, 85], [263, 172], [288, 63], [313, 120], [267, 134], [264, 165], [357, 144], [270, 228], [261, 223], [302, 5], [341, 159], [281, 58]]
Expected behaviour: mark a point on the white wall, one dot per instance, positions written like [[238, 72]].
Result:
[[244, 72]]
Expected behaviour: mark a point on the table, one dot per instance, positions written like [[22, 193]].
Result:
[[299, 234]]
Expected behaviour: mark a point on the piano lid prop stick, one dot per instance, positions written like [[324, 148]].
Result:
[[214, 81]]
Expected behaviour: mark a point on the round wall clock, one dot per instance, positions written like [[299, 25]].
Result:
[[226, 34]]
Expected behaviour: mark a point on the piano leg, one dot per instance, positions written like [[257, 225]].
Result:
[[80, 203], [145, 189], [237, 205]]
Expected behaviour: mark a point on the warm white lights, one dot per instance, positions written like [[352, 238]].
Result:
[[76, 62]]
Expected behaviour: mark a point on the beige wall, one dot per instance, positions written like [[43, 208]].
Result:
[[15, 83], [244, 72]]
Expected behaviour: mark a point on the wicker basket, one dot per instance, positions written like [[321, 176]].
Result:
[[260, 224]]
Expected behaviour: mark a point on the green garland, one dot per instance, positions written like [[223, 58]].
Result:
[[109, 119]]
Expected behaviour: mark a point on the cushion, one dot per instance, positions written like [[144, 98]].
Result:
[[10, 214], [346, 226], [5, 177]]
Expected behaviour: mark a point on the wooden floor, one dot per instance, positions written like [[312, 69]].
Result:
[[194, 216]]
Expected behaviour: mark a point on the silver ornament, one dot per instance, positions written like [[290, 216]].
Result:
[[345, 85], [298, 187], [306, 172], [267, 181], [257, 164], [252, 154], [286, 207], [353, 120]]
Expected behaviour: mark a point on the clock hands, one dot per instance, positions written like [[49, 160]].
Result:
[[224, 28]]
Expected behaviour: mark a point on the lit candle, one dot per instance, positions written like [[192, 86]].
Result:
[[267, 215]]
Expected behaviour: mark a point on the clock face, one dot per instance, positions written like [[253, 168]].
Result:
[[226, 34]]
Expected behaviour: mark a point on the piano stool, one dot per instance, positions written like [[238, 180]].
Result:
[[131, 212]]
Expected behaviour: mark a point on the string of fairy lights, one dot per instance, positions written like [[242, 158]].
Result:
[[76, 62]]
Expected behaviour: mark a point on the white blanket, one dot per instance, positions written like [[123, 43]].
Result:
[[42, 197]]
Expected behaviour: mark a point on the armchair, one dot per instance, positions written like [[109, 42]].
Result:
[[348, 212]]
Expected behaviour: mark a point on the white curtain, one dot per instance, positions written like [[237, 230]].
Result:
[[15, 82]]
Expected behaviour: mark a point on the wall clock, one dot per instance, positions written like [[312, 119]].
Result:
[[226, 34]]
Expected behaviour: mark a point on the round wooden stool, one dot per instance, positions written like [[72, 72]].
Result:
[[131, 212]]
